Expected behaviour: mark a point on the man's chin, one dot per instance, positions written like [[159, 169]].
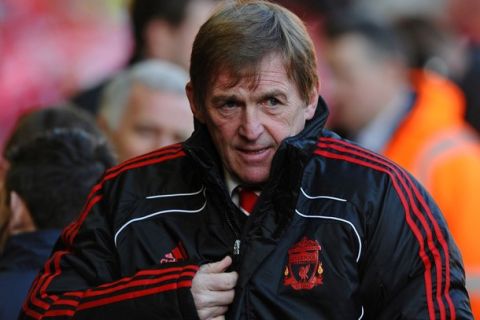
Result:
[[253, 177]]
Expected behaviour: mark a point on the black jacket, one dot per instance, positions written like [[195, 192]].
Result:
[[338, 233], [23, 257]]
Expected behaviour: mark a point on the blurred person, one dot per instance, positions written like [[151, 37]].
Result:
[[64, 115], [414, 117], [261, 213], [145, 107], [314, 13], [163, 30], [431, 47], [464, 18], [50, 172]]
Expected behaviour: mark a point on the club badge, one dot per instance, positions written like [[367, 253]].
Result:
[[304, 269]]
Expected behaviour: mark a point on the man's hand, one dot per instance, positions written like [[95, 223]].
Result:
[[213, 289]]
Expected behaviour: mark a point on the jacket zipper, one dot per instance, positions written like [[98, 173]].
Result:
[[236, 247]]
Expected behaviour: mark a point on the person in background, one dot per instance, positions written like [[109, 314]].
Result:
[[65, 115], [145, 107], [165, 29], [414, 117], [162, 30], [51, 169], [463, 17], [430, 46], [261, 213]]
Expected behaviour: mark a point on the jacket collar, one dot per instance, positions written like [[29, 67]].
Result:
[[200, 144]]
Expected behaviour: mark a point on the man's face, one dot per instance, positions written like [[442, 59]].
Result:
[[361, 84], [151, 120], [247, 123], [197, 12]]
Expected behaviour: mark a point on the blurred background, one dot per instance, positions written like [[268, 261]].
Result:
[[85, 54], [50, 50]]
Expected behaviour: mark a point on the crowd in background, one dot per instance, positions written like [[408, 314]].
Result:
[[400, 77]]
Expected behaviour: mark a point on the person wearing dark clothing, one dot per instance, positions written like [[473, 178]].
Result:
[[50, 171], [24, 254], [337, 232], [162, 30]]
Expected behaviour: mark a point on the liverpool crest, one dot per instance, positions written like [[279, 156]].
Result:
[[304, 269]]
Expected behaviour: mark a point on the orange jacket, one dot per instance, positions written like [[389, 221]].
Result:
[[437, 146]]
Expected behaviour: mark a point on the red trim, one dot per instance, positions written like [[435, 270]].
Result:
[[149, 272], [172, 148], [58, 313], [69, 302], [412, 225], [43, 278], [72, 231], [438, 233], [135, 283], [110, 300], [186, 271], [180, 153], [136, 294], [31, 313]]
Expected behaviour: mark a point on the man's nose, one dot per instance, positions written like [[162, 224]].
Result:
[[251, 126]]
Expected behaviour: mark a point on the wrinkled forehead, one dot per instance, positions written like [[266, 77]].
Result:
[[226, 76]]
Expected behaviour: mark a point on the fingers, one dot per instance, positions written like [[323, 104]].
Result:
[[216, 267], [209, 299], [213, 289], [221, 281], [216, 313]]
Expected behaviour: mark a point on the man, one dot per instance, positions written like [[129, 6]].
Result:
[[163, 30], [54, 160], [145, 108], [337, 232], [414, 118]]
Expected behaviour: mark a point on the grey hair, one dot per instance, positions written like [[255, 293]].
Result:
[[154, 74]]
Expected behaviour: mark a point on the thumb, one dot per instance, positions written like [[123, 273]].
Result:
[[217, 267]]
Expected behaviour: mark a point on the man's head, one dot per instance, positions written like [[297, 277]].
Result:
[[165, 29], [368, 70], [52, 166], [253, 83], [145, 108]]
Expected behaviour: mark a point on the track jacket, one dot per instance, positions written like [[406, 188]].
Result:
[[337, 233], [436, 145]]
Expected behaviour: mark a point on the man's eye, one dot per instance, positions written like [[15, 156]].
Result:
[[230, 104], [272, 102]]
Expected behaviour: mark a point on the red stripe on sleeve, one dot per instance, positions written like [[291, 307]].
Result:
[[411, 186]]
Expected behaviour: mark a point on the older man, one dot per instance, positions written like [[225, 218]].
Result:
[[145, 108], [336, 233]]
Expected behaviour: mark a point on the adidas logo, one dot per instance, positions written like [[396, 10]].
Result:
[[177, 254]]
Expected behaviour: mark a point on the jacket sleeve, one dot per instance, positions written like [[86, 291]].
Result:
[[82, 280], [413, 264]]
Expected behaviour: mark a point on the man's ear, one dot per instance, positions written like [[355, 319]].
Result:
[[20, 217], [197, 112], [312, 105]]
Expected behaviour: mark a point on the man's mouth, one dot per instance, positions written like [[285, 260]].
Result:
[[253, 155]]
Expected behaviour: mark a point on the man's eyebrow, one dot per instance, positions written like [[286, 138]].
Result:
[[273, 93], [222, 98]]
